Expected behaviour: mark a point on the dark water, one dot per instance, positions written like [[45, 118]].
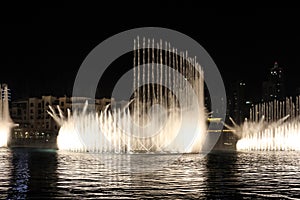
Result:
[[49, 174]]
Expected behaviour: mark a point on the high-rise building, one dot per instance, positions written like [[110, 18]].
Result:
[[237, 108], [273, 88]]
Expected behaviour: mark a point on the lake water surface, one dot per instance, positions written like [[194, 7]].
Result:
[[51, 174]]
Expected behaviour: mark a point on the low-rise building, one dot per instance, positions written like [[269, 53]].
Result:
[[36, 126]]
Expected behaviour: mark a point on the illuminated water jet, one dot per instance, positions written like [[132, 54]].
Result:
[[166, 113], [5, 121], [273, 126]]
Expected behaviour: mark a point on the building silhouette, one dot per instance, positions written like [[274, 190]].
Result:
[[273, 88], [238, 108]]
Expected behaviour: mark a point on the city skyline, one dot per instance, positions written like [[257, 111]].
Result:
[[162, 133], [41, 56]]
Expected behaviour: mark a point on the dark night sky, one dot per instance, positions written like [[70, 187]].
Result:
[[42, 47]]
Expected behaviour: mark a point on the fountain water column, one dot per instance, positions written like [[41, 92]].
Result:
[[152, 71], [148, 87], [5, 105], [186, 78], [161, 84], [111, 143], [170, 102], [157, 73], [5, 120], [153, 79], [263, 109], [266, 112], [272, 111], [101, 142], [166, 83], [277, 134], [173, 97], [275, 109], [120, 140], [194, 75], [148, 75], [109, 118], [181, 77], [161, 73], [287, 106], [170, 64], [297, 106], [138, 95], [105, 126], [191, 72], [156, 142], [173, 76], [278, 110], [293, 106], [254, 113], [114, 132], [135, 88], [176, 70], [1, 104], [98, 141], [129, 130], [288, 110], [166, 71], [143, 93]]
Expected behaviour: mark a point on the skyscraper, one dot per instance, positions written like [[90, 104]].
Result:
[[273, 88], [237, 102]]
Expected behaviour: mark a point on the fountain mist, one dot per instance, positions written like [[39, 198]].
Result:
[[168, 94], [5, 120], [273, 126]]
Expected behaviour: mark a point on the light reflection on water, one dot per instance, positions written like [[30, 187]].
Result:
[[33, 173]]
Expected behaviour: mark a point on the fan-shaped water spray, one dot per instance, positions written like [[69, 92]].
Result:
[[273, 126], [166, 113]]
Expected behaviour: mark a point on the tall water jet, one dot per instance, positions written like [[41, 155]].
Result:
[[165, 114], [5, 120], [273, 126]]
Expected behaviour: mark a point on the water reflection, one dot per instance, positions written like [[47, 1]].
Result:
[[33, 174], [41, 174], [222, 178], [270, 174], [5, 172], [114, 176], [20, 175]]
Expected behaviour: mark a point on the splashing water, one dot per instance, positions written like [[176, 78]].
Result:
[[4, 133], [166, 114], [273, 126], [5, 121]]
